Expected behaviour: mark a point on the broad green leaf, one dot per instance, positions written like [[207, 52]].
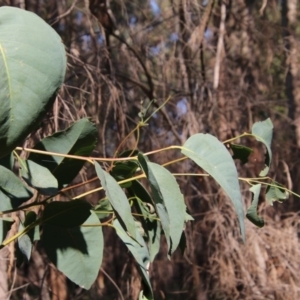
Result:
[[5, 225], [32, 69], [117, 199], [66, 214], [213, 157], [275, 192], [240, 152], [140, 252], [79, 139], [38, 177], [13, 192], [77, 252], [252, 210], [263, 132], [169, 201]]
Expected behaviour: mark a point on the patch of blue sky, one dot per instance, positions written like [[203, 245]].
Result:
[[174, 37], [208, 34], [79, 17], [100, 39], [86, 40], [154, 50], [132, 20], [155, 7], [182, 107]]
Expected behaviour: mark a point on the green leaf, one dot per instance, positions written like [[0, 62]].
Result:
[[240, 152], [117, 199], [169, 201], [140, 252], [79, 139], [188, 217], [154, 234], [13, 192], [276, 192], [103, 209], [145, 206], [32, 69], [77, 252], [213, 157], [25, 241], [66, 214], [8, 161], [263, 132], [39, 177], [124, 170], [142, 296], [252, 210], [5, 225], [34, 233]]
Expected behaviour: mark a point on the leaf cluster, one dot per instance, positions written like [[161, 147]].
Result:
[[71, 231]]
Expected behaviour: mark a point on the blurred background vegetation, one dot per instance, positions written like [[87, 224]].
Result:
[[224, 65]]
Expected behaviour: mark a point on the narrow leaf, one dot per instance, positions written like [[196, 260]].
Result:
[[252, 210], [140, 253], [13, 192], [66, 214], [117, 199], [263, 132], [24, 243], [79, 139], [169, 201], [213, 157], [76, 251]]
